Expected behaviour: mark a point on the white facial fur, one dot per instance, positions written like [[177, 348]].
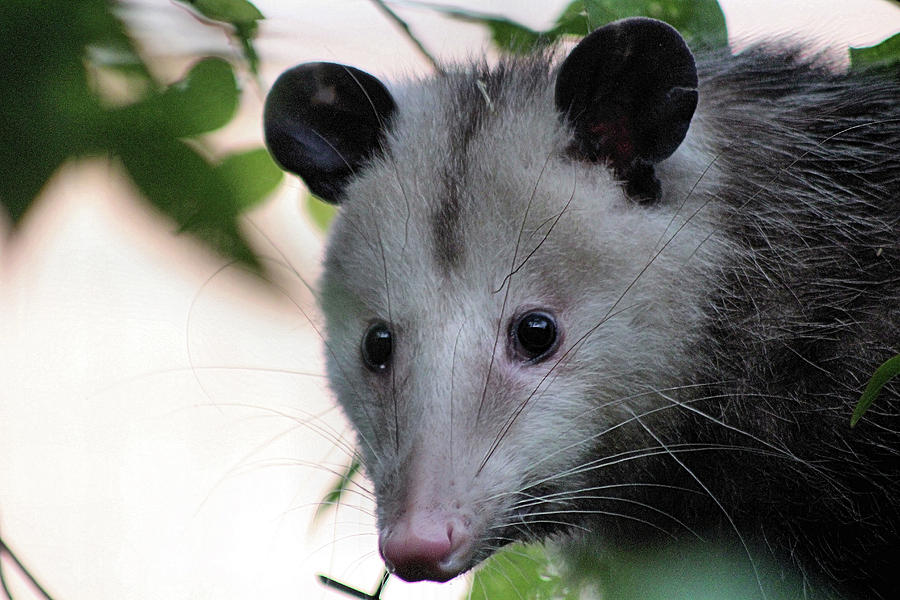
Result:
[[459, 425]]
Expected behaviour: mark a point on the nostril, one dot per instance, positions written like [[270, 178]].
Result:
[[420, 547]]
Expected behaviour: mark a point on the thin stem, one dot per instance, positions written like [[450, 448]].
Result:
[[405, 27], [4, 549], [355, 593]]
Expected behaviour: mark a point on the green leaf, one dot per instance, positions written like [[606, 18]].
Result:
[[505, 33], [513, 37], [251, 176], [204, 100], [675, 572], [521, 571], [240, 14], [701, 22], [201, 198], [227, 11], [53, 52], [184, 186], [698, 571], [333, 497], [883, 374], [49, 111], [885, 54], [321, 212]]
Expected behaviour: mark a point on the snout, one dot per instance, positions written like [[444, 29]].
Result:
[[427, 544]]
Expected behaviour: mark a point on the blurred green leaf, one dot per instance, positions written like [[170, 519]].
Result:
[[885, 54], [505, 33], [515, 37], [56, 54], [520, 572], [184, 186], [203, 199], [240, 14], [204, 100], [333, 497], [883, 374], [699, 571], [49, 111], [701, 22], [228, 11], [251, 176], [320, 211]]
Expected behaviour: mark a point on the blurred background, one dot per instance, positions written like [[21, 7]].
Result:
[[165, 427]]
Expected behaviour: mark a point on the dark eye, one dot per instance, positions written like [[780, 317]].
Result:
[[535, 335], [377, 346]]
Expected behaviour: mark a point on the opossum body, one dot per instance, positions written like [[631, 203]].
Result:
[[623, 294]]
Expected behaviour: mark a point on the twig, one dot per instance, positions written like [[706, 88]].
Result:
[[405, 27], [346, 589], [3, 585], [4, 549]]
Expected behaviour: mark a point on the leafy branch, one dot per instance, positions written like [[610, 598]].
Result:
[[59, 54]]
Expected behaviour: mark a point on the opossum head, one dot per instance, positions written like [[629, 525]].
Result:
[[494, 290]]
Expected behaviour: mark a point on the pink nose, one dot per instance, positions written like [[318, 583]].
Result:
[[419, 547]]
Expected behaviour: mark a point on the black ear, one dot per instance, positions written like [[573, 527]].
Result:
[[323, 120], [629, 89]]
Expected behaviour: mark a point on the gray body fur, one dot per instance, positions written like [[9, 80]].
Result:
[[713, 345]]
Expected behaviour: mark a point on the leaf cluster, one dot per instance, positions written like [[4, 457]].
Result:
[[701, 22], [59, 57]]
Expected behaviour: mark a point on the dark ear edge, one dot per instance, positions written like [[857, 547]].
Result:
[[323, 120], [629, 89]]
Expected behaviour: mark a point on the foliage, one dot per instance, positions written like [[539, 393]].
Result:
[[701, 22], [239, 14], [694, 571], [880, 378], [883, 55], [60, 55], [333, 497], [521, 571], [320, 212]]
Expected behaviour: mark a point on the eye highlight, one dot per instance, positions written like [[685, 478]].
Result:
[[534, 336], [377, 346]]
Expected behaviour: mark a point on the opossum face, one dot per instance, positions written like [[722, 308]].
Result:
[[493, 289]]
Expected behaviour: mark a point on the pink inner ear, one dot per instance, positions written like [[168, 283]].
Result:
[[614, 141]]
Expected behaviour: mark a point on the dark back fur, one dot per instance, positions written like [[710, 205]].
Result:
[[805, 309]]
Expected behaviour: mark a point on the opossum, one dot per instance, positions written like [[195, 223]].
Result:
[[628, 292]]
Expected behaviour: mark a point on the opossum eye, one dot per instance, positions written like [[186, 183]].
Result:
[[377, 346], [535, 336]]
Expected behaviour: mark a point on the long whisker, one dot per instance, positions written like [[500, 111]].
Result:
[[506, 293], [393, 372], [285, 260], [553, 222], [714, 499], [604, 406], [575, 495], [382, 126], [568, 524], [641, 453], [778, 451], [199, 368], [514, 415], [531, 499]]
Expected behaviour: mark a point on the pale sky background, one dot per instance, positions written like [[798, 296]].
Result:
[[165, 430]]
